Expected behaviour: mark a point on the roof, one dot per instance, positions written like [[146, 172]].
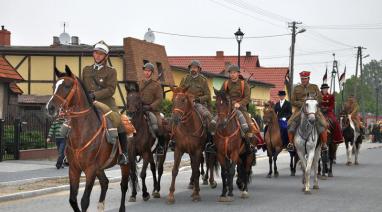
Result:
[[215, 64], [15, 89], [33, 99], [274, 75], [7, 72]]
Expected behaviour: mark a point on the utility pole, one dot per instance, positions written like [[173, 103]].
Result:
[[362, 99], [291, 73], [333, 79]]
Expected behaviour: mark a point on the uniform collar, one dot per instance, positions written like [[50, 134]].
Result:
[[97, 67]]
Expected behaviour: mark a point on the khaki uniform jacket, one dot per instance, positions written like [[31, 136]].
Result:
[[300, 92], [103, 83], [235, 92], [198, 87], [151, 93]]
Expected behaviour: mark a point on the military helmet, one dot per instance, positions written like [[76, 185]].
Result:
[[149, 66], [102, 47], [233, 68], [195, 63]]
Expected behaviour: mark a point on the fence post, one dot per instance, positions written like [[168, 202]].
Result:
[[17, 132], [1, 139]]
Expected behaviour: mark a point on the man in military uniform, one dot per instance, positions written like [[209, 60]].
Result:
[[327, 108], [300, 92], [100, 81], [197, 85], [152, 97], [351, 107], [239, 92]]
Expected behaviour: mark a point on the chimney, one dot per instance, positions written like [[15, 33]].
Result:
[[247, 53], [219, 53], [56, 41], [5, 37], [75, 40]]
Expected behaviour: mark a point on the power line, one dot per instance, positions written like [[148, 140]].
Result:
[[219, 37], [347, 27]]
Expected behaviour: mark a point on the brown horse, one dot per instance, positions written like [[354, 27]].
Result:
[[327, 157], [142, 143], [190, 136], [87, 149], [230, 148], [272, 137]]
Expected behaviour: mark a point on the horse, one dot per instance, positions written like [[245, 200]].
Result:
[[329, 156], [190, 136], [231, 150], [306, 142], [272, 137], [143, 145], [353, 139], [87, 149]]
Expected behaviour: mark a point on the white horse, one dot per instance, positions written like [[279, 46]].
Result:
[[306, 143], [352, 139]]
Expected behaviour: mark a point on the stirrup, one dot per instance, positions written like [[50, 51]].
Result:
[[123, 159], [324, 148], [171, 144], [159, 150], [290, 147], [210, 148]]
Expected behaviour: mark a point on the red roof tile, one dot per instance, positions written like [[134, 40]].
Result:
[[15, 89], [7, 72]]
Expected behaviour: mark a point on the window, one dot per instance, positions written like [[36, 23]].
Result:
[[160, 72]]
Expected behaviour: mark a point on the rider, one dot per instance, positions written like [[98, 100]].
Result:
[[300, 92], [100, 81], [197, 85], [238, 90], [327, 108], [283, 109], [152, 97], [351, 108]]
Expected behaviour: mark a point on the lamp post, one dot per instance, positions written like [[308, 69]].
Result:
[[239, 37]]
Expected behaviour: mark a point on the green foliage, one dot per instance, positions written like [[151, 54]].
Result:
[[28, 139], [166, 107]]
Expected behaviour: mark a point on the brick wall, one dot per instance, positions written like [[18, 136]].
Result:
[[137, 51]]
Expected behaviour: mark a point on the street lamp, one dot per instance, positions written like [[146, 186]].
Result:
[[239, 37]]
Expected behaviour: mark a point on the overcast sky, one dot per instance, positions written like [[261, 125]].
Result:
[[36, 22]]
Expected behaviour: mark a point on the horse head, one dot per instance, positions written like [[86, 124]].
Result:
[[310, 107], [133, 100], [223, 107], [268, 112], [182, 103], [66, 94]]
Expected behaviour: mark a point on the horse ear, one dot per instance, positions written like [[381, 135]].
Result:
[[58, 73], [68, 71]]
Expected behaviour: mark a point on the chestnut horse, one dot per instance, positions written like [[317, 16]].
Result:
[[142, 143], [230, 148], [87, 149], [190, 136]]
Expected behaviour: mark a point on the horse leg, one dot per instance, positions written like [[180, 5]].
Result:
[[104, 183], [90, 178], [231, 175], [202, 172], [348, 153], [125, 184], [196, 175], [275, 166], [154, 173], [291, 164], [247, 166], [211, 162], [175, 170], [74, 180], [191, 183], [315, 164], [356, 152], [308, 169], [206, 175], [270, 166], [224, 175], [145, 194]]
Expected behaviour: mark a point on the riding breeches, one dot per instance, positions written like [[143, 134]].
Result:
[[295, 119]]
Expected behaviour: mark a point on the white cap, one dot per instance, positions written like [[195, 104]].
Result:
[[101, 46]]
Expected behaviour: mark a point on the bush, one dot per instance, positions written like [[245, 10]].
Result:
[[166, 107]]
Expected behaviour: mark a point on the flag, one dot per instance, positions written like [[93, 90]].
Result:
[[287, 77], [342, 78], [325, 78]]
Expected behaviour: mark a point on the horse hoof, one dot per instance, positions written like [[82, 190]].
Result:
[[170, 200], [225, 199], [330, 174], [323, 177], [146, 197], [316, 187], [205, 182], [269, 176], [190, 186], [276, 174], [101, 207], [244, 195], [196, 198], [348, 163], [356, 163], [292, 174], [307, 192], [156, 194], [132, 199], [213, 184]]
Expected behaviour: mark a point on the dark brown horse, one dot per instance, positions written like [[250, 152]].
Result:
[[272, 137], [142, 144], [327, 157], [190, 136], [87, 149], [230, 149]]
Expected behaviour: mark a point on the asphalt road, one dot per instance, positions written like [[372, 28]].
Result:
[[353, 188]]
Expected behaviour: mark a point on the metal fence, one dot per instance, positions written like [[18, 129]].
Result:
[[23, 132]]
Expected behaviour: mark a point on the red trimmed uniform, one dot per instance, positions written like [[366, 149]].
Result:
[[327, 108]]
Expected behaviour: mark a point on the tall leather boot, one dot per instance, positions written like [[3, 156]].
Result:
[[160, 146], [324, 140], [123, 158]]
